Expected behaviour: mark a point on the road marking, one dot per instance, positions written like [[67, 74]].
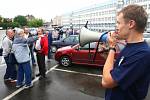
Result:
[[37, 78], [22, 88], [69, 71]]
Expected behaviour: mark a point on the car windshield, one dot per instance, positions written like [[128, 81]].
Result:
[[86, 47]]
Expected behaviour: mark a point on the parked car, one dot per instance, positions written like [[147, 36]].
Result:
[[71, 40], [85, 55], [147, 37]]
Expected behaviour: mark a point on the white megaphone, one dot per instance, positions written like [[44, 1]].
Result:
[[87, 36]]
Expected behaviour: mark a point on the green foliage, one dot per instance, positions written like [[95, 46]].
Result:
[[1, 19], [4, 25], [35, 23], [15, 24], [21, 20], [9, 25]]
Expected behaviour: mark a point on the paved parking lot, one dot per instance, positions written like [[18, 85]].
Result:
[[61, 83], [73, 83]]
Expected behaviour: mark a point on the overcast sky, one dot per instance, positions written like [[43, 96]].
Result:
[[45, 9]]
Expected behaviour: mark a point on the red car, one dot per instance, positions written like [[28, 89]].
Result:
[[85, 55]]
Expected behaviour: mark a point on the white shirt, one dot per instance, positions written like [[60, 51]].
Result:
[[38, 43], [26, 35], [6, 45]]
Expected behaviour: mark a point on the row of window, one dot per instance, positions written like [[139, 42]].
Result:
[[102, 25], [95, 19], [98, 7], [95, 14], [134, 1], [98, 25]]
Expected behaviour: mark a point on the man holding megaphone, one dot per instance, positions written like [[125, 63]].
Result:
[[128, 78]]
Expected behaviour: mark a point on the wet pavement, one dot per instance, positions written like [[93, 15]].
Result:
[[77, 82], [63, 86], [59, 84]]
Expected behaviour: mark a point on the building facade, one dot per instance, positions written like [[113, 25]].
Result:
[[100, 17]]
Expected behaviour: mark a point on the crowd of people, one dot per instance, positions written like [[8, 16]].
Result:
[[23, 44]]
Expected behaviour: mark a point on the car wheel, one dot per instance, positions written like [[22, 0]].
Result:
[[53, 49], [65, 61]]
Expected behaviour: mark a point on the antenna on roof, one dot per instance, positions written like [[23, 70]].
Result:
[[86, 24]]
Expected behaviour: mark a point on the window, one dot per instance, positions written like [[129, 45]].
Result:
[[86, 47], [146, 35], [103, 46], [69, 39], [76, 39]]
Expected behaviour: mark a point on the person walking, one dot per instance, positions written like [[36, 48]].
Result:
[[128, 78]]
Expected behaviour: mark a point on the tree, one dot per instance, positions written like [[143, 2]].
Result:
[[1, 19], [35, 23], [14, 24], [21, 20]]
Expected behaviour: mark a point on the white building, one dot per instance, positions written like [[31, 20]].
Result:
[[100, 17]]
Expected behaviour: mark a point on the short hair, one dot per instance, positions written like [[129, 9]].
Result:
[[136, 13], [19, 32]]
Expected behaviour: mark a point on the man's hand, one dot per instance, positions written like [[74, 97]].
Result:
[[107, 80], [112, 40]]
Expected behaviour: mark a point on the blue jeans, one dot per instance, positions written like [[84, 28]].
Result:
[[24, 69], [11, 71]]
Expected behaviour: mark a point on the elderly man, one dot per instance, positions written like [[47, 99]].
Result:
[[31, 46], [41, 48], [11, 73]]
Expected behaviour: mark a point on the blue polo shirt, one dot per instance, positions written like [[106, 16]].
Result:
[[131, 72]]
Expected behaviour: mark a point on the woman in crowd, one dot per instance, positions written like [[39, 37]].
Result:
[[22, 54]]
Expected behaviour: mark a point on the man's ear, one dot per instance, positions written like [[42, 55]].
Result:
[[132, 24]]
